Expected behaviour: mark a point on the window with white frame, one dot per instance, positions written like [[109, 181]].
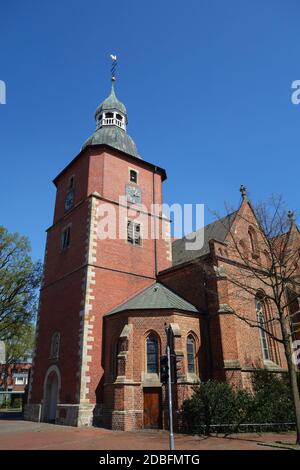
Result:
[[134, 233], [20, 380]]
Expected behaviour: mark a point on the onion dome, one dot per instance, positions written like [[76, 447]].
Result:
[[111, 121]]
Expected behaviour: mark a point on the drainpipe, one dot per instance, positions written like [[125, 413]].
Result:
[[154, 217]]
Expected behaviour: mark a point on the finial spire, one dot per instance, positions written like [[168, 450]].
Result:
[[243, 191], [113, 66], [291, 216]]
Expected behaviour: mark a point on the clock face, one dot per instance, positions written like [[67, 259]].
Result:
[[134, 194], [69, 201]]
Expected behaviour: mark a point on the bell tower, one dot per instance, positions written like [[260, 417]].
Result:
[[86, 272]]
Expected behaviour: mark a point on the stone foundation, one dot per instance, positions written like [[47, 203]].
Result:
[[68, 415], [75, 415], [32, 412]]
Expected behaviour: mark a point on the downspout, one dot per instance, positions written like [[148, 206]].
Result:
[[154, 217]]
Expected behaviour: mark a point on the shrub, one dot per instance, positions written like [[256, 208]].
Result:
[[17, 403], [272, 396], [217, 403], [6, 403]]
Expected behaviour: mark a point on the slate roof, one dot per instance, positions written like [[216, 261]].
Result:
[[217, 230], [154, 297], [111, 102], [114, 137]]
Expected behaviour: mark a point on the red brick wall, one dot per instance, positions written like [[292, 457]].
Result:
[[121, 270], [129, 395], [112, 288], [231, 339], [60, 263], [80, 169], [243, 302], [60, 305], [109, 173]]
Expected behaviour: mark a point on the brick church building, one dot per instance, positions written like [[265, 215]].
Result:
[[104, 302]]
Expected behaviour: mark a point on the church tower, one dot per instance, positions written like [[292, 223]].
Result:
[[87, 274]]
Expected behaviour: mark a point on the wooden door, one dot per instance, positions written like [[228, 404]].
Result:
[[152, 408]]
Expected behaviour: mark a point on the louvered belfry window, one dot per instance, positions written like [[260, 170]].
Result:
[[134, 233]]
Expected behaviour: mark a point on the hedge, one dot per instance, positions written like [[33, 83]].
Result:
[[217, 405]]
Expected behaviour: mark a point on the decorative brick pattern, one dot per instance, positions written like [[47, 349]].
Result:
[[87, 317]]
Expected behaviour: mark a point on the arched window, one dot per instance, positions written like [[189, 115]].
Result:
[[191, 354], [109, 115], [152, 353], [261, 319], [293, 301], [253, 240], [54, 349]]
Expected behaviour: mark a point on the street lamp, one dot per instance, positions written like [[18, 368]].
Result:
[[168, 331]]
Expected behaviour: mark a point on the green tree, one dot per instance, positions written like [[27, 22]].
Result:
[[19, 281], [21, 345]]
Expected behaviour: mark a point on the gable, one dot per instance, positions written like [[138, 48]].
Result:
[[217, 230], [245, 219]]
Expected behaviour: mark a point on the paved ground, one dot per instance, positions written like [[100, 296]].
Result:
[[18, 434]]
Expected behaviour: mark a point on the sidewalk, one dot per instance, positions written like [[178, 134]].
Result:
[[17, 434]]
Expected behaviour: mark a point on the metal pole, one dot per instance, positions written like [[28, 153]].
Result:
[[171, 434]]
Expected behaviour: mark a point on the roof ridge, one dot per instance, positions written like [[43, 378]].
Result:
[[216, 230], [208, 225]]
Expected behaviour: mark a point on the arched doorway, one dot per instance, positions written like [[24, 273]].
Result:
[[51, 391]]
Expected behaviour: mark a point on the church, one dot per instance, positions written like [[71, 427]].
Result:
[[105, 303]]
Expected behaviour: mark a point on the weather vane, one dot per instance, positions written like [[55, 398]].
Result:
[[113, 66]]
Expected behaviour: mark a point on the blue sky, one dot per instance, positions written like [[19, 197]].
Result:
[[207, 85]]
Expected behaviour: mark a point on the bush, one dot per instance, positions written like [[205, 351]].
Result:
[[272, 397], [17, 403], [217, 403], [6, 403]]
